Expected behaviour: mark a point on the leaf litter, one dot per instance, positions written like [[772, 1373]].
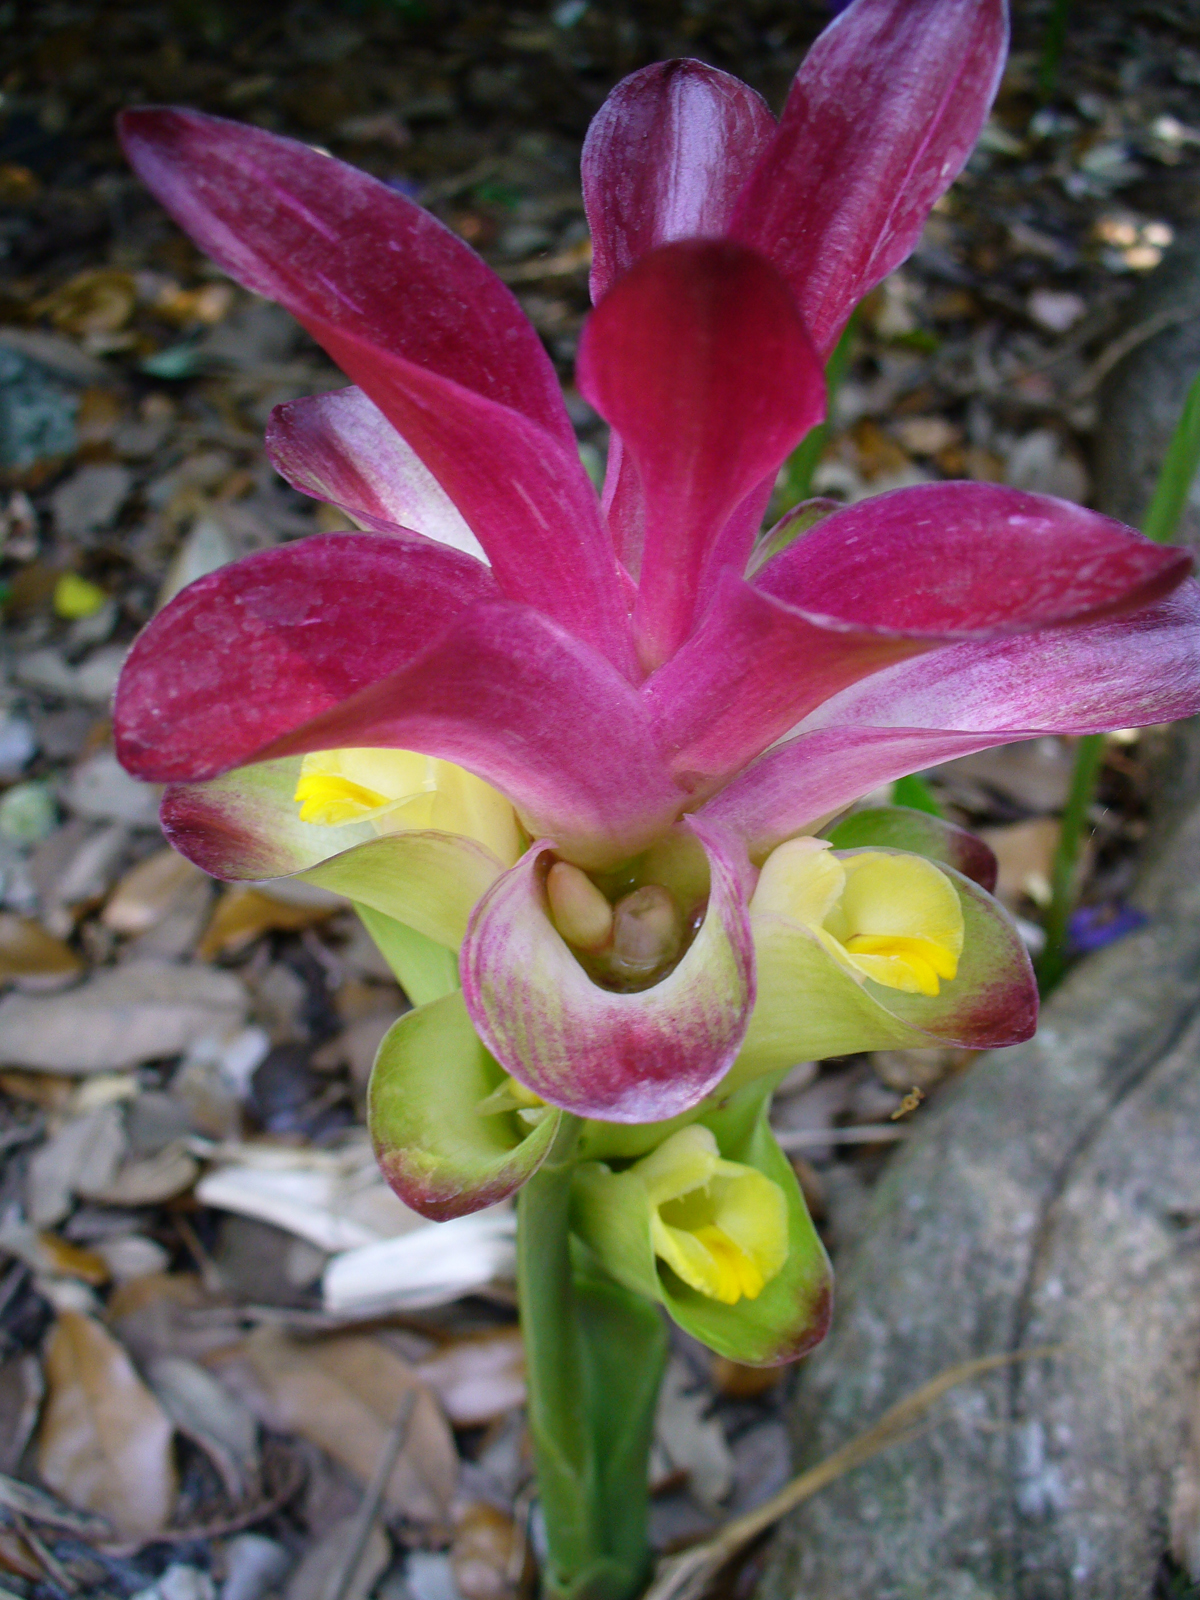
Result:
[[210, 1307]]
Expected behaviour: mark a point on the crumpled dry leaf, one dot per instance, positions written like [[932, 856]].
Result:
[[344, 1393], [478, 1379], [1025, 857], [99, 300], [171, 1314], [17, 1557], [143, 1011], [336, 1199], [71, 1261], [222, 1425], [38, 1506], [104, 1442], [1034, 774], [429, 1266], [149, 1181]]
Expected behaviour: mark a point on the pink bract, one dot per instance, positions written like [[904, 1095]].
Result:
[[606, 661]]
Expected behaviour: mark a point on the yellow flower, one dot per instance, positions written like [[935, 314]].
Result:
[[718, 1225], [891, 917], [400, 791]]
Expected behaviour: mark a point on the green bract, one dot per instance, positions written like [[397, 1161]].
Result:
[[437, 1150], [611, 1213]]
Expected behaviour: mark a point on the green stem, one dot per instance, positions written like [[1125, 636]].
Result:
[[1089, 758], [593, 1358], [554, 1361], [1053, 41]]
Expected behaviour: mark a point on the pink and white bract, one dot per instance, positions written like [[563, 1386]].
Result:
[[606, 663]]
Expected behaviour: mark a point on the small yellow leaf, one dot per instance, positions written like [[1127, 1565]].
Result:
[[72, 1262], [75, 597]]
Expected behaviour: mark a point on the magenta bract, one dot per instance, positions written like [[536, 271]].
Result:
[[606, 662]]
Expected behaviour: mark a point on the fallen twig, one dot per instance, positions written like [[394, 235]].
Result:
[[372, 1498], [1119, 348], [864, 1133]]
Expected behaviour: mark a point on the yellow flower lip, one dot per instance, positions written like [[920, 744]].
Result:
[[401, 791], [885, 915], [720, 1226]]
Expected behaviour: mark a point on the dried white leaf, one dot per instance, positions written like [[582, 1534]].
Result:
[[434, 1264]]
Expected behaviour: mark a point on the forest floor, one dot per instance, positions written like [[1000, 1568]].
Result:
[[190, 1340]]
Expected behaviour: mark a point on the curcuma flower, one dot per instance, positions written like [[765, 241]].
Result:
[[593, 745]]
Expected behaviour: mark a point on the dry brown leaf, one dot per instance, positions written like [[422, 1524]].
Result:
[[149, 891], [877, 454], [104, 1442], [1025, 856], [82, 1155], [486, 1554], [32, 958], [100, 411], [71, 1261], [1034, 775], [148, 1181], [243, 914], [478, 1379], [17, 1558], [344, 1394], [49, 1090]]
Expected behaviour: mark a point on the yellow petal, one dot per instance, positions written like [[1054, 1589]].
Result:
[[399, 791], [900, 895], [802, 880], [719, 1225], [902, 969], [682, 1163], [751, 1211], [690, 1259]]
